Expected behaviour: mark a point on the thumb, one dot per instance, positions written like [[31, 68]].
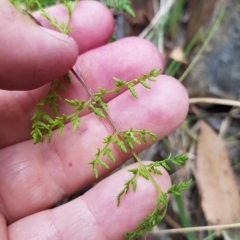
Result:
[[30, 55]]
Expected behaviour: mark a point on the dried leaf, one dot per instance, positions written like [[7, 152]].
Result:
[[177, 54], [216, 181]]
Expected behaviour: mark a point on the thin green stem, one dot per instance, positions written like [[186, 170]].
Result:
[[149, 175], [174, 66], [205, 44], [116, 89], [184, 218], [107, 144], [69, 13]]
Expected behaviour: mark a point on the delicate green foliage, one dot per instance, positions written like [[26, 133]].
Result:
[[52, 97], [132, 182], [130, 84], [119, 83], [143, 82], [44, 123], [152, 136], [16, 3], [122, 6], [108, 139], [113, 38], [145, 171], [102, 91], [62, 27], [76, 103], [59, 122], [120, 143], [130, 136], [177, 160], [177, 189], [122, 140], [31, 4], [141, 171], [133, 170], [95, 163], [132, 89], [102, 152], [152, 219], [41, 4], [154, 169], [75, 120], [96, 110], [143, 133], [99, 100], [39, 129], [97, 104], [67, 77], [70, 5], [109, 153], [154, 72]]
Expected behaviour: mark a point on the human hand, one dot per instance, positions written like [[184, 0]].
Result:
[[35, 177]]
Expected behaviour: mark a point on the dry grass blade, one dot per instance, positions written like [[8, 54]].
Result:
[[164, 9], [198, 229], [219, 101]]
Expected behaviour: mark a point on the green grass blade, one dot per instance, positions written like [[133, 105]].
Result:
[[183, 217]]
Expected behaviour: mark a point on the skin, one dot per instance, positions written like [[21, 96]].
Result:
[[35, 177]]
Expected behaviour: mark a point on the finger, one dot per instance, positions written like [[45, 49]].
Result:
[[37, 55], [97, 67], [3, 228], [40, 175], [92, 23], [95, 215]]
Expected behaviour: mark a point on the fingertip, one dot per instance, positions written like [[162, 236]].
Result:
[[138, 52], [125, 59], [147, 52], [134, 206], [174, 97], [92, 23], [162, 109]]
